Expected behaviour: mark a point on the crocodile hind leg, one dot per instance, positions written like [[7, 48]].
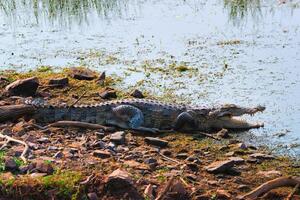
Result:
[[129, 117], [183, 120]]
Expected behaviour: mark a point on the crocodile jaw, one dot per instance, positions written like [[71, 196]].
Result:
[[234, 123]]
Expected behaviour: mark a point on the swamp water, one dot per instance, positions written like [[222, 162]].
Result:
[[245, 52]]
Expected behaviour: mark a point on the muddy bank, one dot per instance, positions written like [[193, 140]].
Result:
[[79, 163]]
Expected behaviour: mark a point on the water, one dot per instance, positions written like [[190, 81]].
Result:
[[243, 52]]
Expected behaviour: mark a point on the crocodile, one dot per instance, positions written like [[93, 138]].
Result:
[[147, 115]]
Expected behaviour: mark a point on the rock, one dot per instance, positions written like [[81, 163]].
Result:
[[118, 137], [166, 152], [23, 87], [269, 174], [101, 79], [261, 156], [192, 166], [243, 187], [58, 155], [237, 160], [220, 166], [120, 184], [3, 79], [177, 191], [100, 135], [108, 94], [98, 144], [191, 177], [182, 156], [101, 154], [118, 179], [156, 141], [59, 82], [223, 194], [43, 140], [38, 175], [10, 164], [137, 94], [92, 196], [44, 167], [223, 133], [136, 165], [241, 146], [82, 74], [151, 161]]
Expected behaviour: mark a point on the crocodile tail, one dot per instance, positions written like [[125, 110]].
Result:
[[46, 113]]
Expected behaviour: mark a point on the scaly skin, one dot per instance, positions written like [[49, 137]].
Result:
[[156, 115]]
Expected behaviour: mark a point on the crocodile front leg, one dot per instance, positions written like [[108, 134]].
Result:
[[185, 119], [129, 117]]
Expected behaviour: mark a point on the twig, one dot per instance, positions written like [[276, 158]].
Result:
[[168, 158], [80, 125], [89, 178], [206, 134], [78, 99], [292, 192], [184, 182], [10, 139], [166, 189], [275, 183]]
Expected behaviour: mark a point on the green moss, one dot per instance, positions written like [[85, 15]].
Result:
[[65, 181], [2, 164]]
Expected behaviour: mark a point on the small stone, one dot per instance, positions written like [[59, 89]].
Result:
[[231, 153], [223, 194], [43, 140], [261, 156], [212, 182], [156, 141], [23, 87], [10, 164], [100, 135], [52, 148], [137, 94], [191, 177], [108, 94], [92, 196], [237, 160], [59, 82], [150, 161], [243, 187], [220, 166], [192, 166], [82, 74], [101, 154], [223, 133], [118, 137], [241, 146], [98, 144], [182, 155], [44, 167], [166, 152], [272, 173], [178, 191], [58, 155], [38, 175], [118, 179], [101, 79]]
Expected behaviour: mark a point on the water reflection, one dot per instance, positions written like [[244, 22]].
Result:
[[64, 12], [241, 9]]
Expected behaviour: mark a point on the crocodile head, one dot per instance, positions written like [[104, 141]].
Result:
[[230, 117]]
